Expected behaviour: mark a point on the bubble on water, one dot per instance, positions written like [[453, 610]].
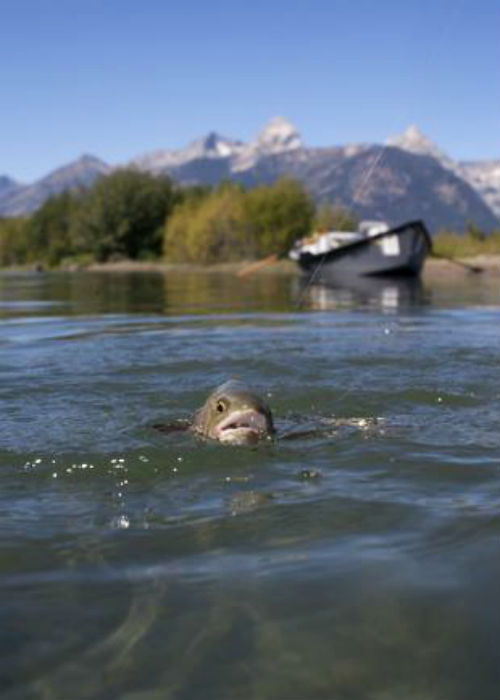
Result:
[[122, 522], [54, 475], [309, 474], [118, 463]]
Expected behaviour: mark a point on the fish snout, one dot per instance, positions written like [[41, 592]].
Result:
[[243, 427]]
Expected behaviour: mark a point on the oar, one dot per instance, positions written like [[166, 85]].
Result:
[[471, 268], [257, 265]]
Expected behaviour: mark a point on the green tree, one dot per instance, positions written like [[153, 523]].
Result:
[[50, 231], [276, 216], [474, 231], [14, 244], [192, 193], [208, 229], [124, 214], [230, 223], [334, 218]]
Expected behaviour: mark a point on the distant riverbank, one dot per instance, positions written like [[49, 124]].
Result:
[[435, 270], [490, 264]]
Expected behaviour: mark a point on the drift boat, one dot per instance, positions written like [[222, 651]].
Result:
[[374, 250]]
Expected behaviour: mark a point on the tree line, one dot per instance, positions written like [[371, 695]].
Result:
[[134, 215]]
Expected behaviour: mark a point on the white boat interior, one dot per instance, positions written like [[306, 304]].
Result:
[[320, 243]]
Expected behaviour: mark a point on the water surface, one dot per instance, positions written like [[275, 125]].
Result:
[[360, 561]]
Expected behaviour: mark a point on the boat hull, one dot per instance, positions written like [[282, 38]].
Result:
[[400, 251]]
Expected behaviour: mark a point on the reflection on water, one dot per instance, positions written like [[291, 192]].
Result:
[[357, 561], [194, 291], [135, 292], [361, 292]]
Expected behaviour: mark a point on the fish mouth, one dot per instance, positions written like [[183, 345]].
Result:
[[242, 427]]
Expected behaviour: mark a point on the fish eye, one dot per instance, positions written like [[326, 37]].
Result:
[[220, 407]]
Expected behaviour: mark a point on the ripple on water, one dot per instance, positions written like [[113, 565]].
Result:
[[362, 550]]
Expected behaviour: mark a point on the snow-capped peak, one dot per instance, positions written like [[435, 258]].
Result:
[[413, 140], [279, 135], [212, 145]]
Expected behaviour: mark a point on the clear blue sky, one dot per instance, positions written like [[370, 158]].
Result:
[[116, 78]]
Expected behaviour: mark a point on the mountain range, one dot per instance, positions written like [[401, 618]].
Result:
[[407, 177]]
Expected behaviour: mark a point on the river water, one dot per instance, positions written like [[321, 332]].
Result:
[[358, 560]]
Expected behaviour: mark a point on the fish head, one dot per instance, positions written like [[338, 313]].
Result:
[[234, 414]]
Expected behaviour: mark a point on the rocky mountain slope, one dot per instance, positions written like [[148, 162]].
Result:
[[408, 177], [25, 199], [8, 185], [483, 176]]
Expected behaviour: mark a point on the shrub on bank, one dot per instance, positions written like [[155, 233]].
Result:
[[230, 223], [207, 229], [276, 216], [448, 244], [334, 218]]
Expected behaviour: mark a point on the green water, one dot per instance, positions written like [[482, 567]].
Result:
[[358, 561]]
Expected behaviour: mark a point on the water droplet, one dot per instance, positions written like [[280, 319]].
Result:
[[122, 522], [309, 474]]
